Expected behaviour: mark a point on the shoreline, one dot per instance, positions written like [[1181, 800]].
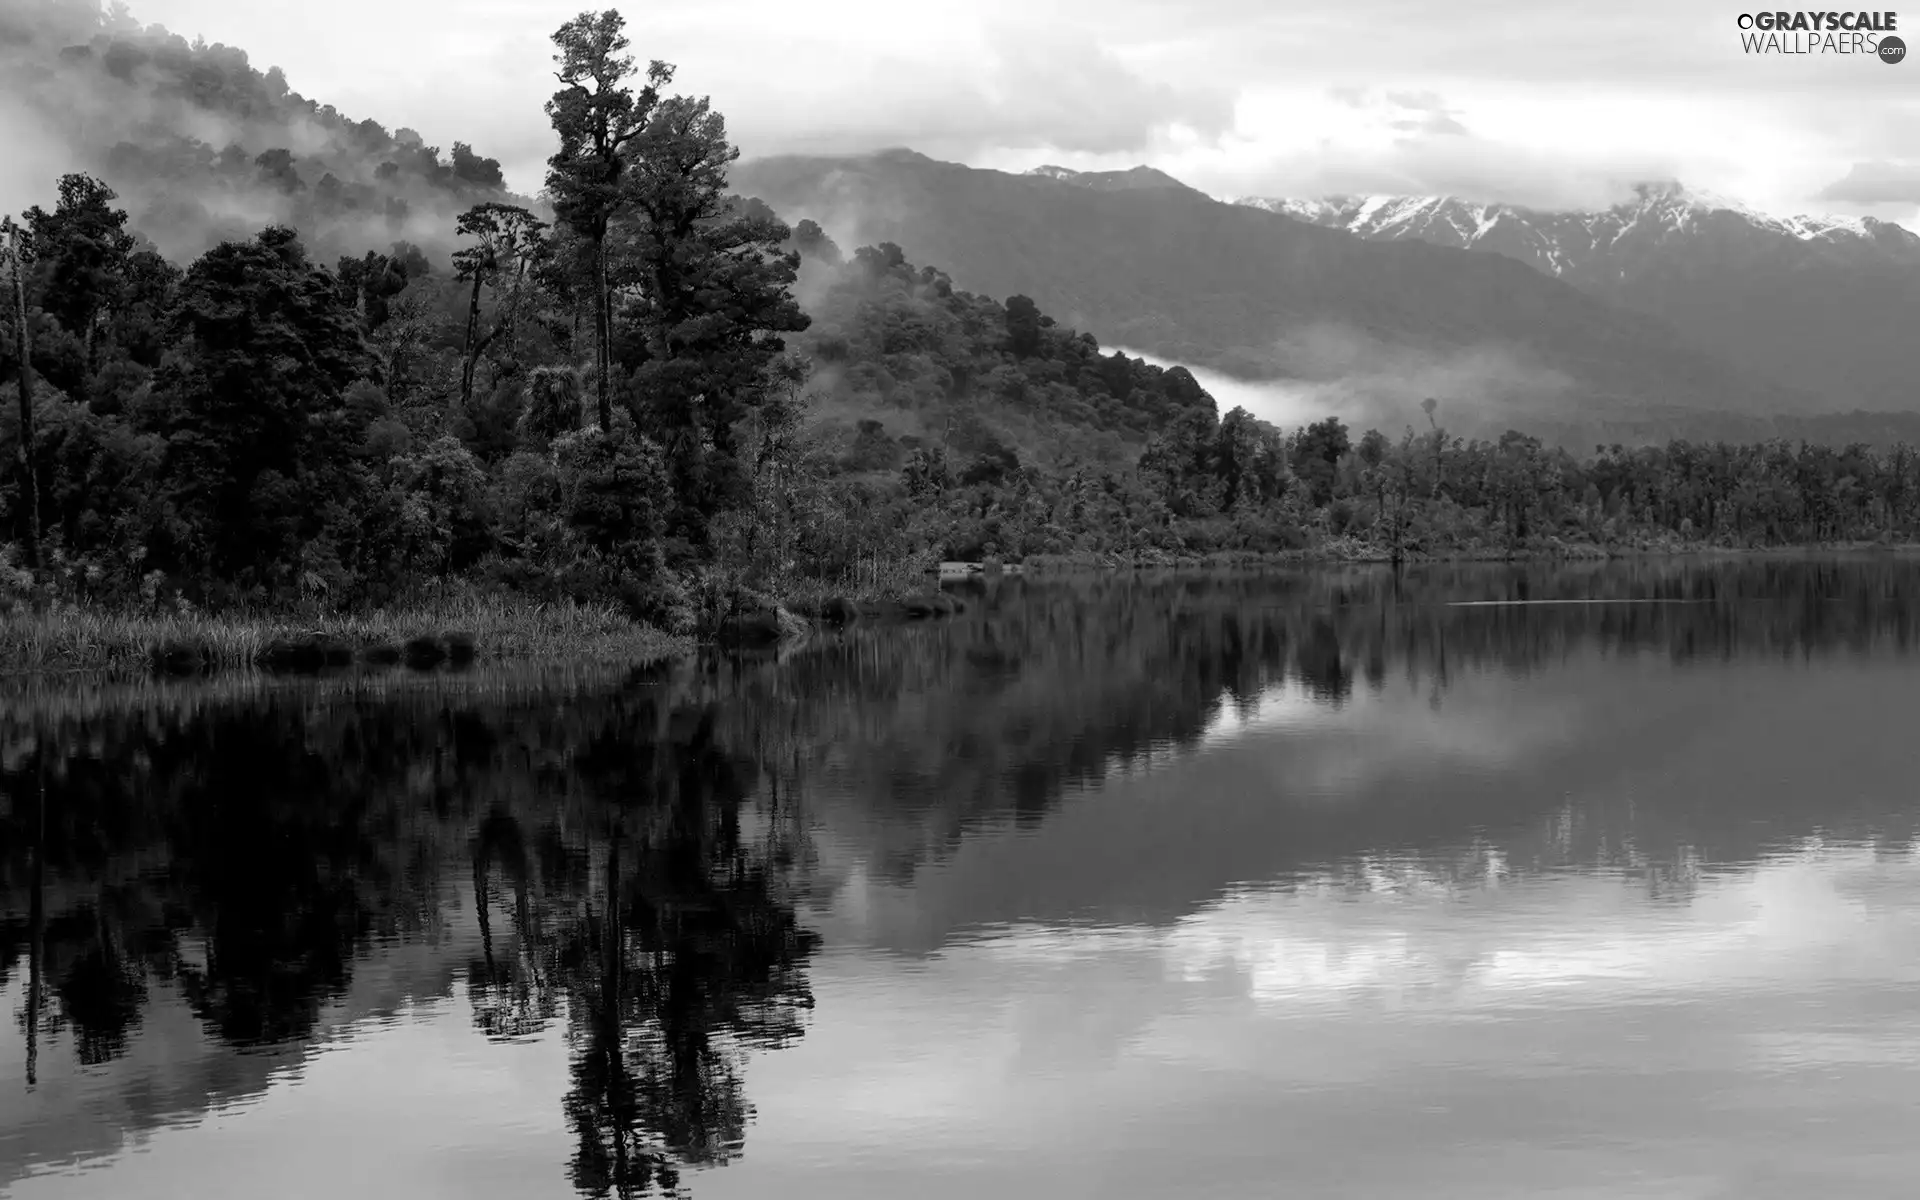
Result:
[[78, 642], [1061, 564]]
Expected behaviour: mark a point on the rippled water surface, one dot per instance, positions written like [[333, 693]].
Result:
[[1327, 883]]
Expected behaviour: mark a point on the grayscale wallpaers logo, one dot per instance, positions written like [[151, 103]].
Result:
[[1867, 34]]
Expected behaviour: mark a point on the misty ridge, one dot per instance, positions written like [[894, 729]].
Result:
[[1367, 328], [1307, 370], [203, 147]]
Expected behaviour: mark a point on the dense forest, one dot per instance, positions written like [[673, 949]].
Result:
[[648, 390]]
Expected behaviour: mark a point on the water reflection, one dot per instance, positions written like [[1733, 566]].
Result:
[[1104, 818], [249, 856]]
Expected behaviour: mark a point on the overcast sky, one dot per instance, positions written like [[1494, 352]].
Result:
[[1502, 99]]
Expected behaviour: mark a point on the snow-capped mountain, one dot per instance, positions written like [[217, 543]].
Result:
[[1822, 303], [1573, 244], [1110, 181]]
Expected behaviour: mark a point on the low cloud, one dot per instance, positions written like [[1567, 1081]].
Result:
[[1346, 139], [1877, 183], [1015, 87], [1462, 165], [1334, 370], [1424, 114], [34, 160], [849, 78]]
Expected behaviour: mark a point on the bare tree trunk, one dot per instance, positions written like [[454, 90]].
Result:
[[470, 352], [29, 477], [603, 336]]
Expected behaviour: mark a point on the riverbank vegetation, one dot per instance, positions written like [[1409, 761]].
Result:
[[456, 631], [652, 405]]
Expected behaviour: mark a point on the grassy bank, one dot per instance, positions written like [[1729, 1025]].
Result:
[[68, 638], [38, 698]]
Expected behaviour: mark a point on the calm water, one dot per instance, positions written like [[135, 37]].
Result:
[[1321, 884]]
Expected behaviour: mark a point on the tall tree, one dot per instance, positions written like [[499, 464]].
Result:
[[81, 249], [1023, 325], [249, 403], [507, 239], [29, 476], [717, 295], [596, 117]]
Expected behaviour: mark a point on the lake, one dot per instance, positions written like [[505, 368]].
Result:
[[1332, 882]]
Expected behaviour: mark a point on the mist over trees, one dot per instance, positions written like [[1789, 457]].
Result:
[[204, 147]]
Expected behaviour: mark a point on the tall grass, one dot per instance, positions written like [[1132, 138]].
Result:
[[69, 638], [870, 577], [43, 699]]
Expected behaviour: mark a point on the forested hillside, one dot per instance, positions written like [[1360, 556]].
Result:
[[907, 363], [204, 147]]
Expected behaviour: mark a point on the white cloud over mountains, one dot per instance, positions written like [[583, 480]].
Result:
[[1497, 98]]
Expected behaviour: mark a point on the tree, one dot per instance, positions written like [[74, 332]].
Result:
[[1023, 326], [471, 168], [81, 252], [369, 284], [1317, 450], [553, 403], [29, 477], [715, 296], [1237, 458], [277, 171], [812, 242], [596, 117], [265, 350], [507, 240]]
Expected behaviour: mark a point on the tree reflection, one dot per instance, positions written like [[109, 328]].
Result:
[[688, 958], [249, 855]]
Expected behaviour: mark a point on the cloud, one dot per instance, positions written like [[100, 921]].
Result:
[[1476, 168], [1440, 994], [1351, 139], [1502, 99], [1430, 114], [844, 77], [33, 161], [1877, 183]]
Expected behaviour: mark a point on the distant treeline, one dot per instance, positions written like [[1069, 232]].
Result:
[[1010, 435]]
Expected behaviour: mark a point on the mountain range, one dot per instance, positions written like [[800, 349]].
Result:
[[1822, 304], [1370, 327]]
